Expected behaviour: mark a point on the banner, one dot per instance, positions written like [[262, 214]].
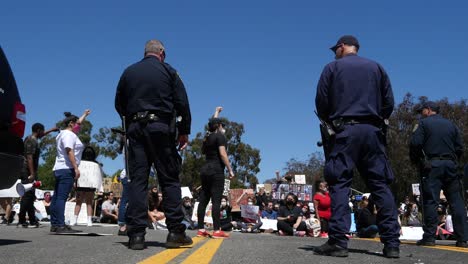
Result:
[[249, 211], [303, 192], [90, 175]]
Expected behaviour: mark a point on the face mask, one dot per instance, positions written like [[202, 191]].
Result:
[[222, 131], [249, 203], [187, 204], [223, 204], [276, 208], [290, 202], [304, 210], [76, 128]]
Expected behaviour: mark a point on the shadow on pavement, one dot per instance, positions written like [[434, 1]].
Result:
[[350, 250], [147, 244], [5, 242]]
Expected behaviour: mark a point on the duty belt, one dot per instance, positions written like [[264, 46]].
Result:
[[441, 157], [146, 117], [340, 122]]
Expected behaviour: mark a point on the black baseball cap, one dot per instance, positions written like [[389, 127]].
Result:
[[429, 105], [348, 40]]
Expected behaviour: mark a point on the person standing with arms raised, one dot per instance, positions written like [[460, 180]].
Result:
[[355, 96], [148, 95]]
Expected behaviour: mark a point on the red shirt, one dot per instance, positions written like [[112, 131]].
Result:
[[324, 205]]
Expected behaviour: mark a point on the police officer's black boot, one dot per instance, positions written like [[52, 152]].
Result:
[[333, 250], [175, 240], [136, 242], [461, 244], [391, 252]]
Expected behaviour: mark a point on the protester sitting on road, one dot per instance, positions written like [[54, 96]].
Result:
[[290, 218], [46, 202], [276, 207], [366, 219], [269, 213], [225, 217], [6, 204], [187, 209], [66, 172], [109, 210], [322, 203], [155, 209], [85, 194], [412, 216], [306, 212], [441, 232]]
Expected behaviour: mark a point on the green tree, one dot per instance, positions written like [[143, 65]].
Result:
[[244, 158], [312, 168]]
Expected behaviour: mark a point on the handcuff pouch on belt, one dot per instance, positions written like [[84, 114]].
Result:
[[145, 117]]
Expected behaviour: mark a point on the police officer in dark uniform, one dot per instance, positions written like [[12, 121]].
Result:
[[437, 143], [149, 95], [355, 96]]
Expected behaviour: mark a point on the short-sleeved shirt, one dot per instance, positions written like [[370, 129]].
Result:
[[324, 205], [31, 147], [211, 147], [108, 206], [284, 211], [67, 139]]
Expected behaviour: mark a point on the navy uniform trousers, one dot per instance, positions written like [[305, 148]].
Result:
[[360, 146], [442, 176], [149, 144]]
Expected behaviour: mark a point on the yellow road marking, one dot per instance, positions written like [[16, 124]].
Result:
[[205, 253], [169, 254], [442, 247]]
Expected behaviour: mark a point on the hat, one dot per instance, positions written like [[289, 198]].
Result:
[[348, 40], [429, 104]]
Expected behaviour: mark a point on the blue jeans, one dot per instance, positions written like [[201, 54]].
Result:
[[368, 232], [123, 202], [64, 180]]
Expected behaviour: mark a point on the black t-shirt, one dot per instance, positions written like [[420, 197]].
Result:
[[31, 147], [211, 147], [284, 211]]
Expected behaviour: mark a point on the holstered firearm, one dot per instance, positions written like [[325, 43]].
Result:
[[327, 133]]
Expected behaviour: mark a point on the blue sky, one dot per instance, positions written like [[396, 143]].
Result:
[[260, 60]]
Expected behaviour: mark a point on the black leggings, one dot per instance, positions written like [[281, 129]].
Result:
[[287, 227], [323, 225], [212, 187]]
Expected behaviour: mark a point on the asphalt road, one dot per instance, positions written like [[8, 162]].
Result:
[[37, 245]]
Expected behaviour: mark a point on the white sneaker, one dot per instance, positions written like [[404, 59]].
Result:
[[90, 223], [73, 222]]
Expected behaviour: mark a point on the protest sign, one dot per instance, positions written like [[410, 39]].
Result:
[[70, 212], [269, 224], [90, 175], [186, 192], [300, 179], [227, 186], [415, 187], [249, 211], [208, 217]]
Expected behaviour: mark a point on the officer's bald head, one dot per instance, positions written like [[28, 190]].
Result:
[[154, 46]]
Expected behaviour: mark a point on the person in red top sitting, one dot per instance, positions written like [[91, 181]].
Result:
[[322, 203]]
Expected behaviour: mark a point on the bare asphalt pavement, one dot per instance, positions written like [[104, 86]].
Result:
[[38, 245]]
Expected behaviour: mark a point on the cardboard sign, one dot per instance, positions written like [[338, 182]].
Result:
[[415, 188], [300, 179], [208, 218], [90, 175], [249, 211], [235, 194], [117, 189]]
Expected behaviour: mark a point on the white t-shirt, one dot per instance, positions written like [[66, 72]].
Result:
[[110, 207], [67, 139]]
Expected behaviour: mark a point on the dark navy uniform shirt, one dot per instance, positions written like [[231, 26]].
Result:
[[151, 85], [437, 136], [354, 87]]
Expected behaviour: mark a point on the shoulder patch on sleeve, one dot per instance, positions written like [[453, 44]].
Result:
[[415, 127]]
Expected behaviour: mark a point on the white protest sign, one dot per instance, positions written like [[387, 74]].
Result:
[[70, 212], [249, 211], [90, 175], [415, 188], [259, 186], [411, 233], [186, 192], [269, 224], [208, 218], [300, 179], [227, 186], [39, 205]]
